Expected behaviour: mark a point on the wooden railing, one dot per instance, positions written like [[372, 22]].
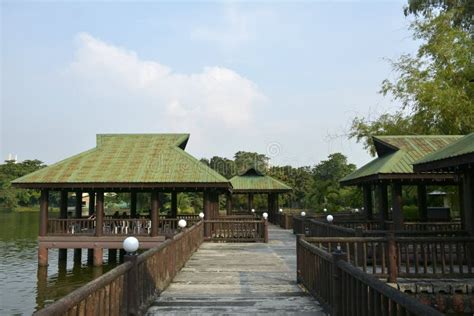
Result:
[[236, 231], [116, 227], [285, 220], [236, 218], [428, 226], [414, 257], [71, 227], [129, 288], [344, 289]]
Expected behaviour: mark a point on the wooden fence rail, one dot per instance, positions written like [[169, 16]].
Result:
[[129, 288], [344, 289], [236, 230], [415, 257]]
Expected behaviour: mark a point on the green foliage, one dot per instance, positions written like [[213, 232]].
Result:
[[462, 10], [244, 160], [433, 86], [11, 198]]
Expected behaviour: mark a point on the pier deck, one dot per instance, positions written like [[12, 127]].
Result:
[[239, 278]]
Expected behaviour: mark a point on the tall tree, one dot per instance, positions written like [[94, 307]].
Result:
[[244, 160], [434, 87]]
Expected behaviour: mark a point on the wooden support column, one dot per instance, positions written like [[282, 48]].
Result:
[[422, 208], [250, 201], [99, 216], [133, 204], [98, 256], [270, 206], [174, 204], [154, 212], [367, 195], [214, 204], [63, 205], [468, 201], [382, 203], [77, 256], [112, 255], [43, 229], [91, 203], [397, 206], [62, 253], [78, 206], [228, 203], [44, 201]]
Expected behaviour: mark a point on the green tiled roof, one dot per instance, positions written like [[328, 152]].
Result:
[[462, 147], [396, 155], [254, 181], [129, 158]]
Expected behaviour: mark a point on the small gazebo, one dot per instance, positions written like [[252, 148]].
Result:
[[253, 182], [457, 158], [394, 167], [133, 163]]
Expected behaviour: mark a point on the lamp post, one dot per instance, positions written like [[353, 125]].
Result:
[[330, 218], [303, 214], [265, 227], [131, 245], [265, 215], [201, 215]]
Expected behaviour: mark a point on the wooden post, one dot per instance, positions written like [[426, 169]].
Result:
[[214, 204], [133, 204], [132, 285], [422, 209], [98, 256], [265, 231], [337, 302], [112, 255], [77, 256], [468, 201], [397, 206], [78, 206], [382, 203], [228, 203], [250, 201], [359, 232], [392, 258], [44, 200], [154, 213], [99, 216], [91, 203], [270, 206], [63, 205], [174, 204], [298, 258], [207, 213], [42, 256], [367, 195]]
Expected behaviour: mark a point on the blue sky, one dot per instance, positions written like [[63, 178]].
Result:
[[284, 79]]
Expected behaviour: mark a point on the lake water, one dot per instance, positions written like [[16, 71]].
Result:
[[23, 287]]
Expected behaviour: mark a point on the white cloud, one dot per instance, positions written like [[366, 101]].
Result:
[[216, 94]]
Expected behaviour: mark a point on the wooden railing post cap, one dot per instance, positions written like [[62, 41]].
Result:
[[338, 254]]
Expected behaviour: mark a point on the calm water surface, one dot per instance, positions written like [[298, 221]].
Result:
[[23, 287]]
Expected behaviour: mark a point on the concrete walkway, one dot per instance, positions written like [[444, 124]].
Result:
[[239, 278]]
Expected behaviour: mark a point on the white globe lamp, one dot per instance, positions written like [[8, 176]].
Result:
[[253, 210], [131, 244], [329, 218], [201, 215], [182, 223], [303, 214], [265, 215], [280, 210], [325, 210]]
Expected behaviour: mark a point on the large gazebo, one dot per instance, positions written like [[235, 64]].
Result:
[[252, 182], [457, 158], [394, 166], [146, 163]]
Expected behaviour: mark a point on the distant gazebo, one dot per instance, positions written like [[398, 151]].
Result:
[[253, 182], [457, 158], [133, 163], [394, 167]]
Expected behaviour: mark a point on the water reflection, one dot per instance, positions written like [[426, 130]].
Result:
[[25, 287]]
